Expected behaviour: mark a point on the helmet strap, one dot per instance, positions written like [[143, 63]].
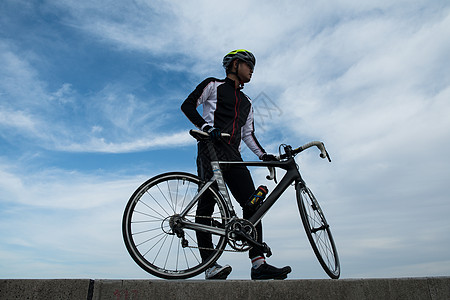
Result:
[[241, 83]]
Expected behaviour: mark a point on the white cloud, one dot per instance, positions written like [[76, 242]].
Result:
[[162, 140], [65, 119], [55, 221], [19, 79], [62, 223], [19, 120], [381, 90]]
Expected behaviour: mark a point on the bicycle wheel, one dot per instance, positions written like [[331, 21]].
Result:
[[147, 232], [318, 232]]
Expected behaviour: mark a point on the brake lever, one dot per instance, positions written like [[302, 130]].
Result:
[[272, 174], [324, 152], [329, 159]]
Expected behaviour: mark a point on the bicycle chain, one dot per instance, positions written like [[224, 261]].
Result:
[[209, 217], [212, 249]]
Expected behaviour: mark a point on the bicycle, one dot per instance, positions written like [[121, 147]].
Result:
[[159, 227]]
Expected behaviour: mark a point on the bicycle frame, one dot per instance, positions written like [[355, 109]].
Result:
[[292, 175]]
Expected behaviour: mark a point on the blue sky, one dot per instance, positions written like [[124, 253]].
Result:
[[89, 108]]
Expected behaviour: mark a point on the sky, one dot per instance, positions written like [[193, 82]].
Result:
[[90, 95]]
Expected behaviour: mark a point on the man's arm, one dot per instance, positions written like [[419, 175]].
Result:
[[196, 98], [248, 136]]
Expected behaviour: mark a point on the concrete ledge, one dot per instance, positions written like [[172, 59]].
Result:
[[360, 289], [45, 288]]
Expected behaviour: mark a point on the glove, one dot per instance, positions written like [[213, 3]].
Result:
[[268, 157], [214, 133]]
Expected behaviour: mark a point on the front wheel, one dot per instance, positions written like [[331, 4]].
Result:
[[151, 230], [318, 231]]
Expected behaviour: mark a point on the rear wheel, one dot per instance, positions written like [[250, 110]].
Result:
[[318, 232], [150, 230]]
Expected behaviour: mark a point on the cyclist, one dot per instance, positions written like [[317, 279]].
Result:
[[227, 109]]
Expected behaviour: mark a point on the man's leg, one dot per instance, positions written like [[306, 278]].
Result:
[[240, 183], [206, 204], [204, 211], [241, 186]]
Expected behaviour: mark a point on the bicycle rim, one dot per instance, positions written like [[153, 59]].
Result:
[[148, 235], [318, 232]]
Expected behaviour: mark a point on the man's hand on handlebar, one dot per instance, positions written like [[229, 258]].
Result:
[[268, 157], [214, 133]]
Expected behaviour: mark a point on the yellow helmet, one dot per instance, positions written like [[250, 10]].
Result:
[[240, 54]]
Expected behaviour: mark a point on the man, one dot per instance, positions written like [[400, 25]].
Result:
[[227, 109]]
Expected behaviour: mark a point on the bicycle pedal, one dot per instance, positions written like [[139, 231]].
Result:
[[267, 250]]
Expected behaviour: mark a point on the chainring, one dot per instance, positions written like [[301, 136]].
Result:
[[234, 239]]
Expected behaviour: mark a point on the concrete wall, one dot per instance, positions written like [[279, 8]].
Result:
[[68, 289]]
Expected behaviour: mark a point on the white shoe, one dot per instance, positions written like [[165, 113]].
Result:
[[218, 272]]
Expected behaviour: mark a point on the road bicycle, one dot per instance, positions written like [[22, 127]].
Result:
[[159, 222]]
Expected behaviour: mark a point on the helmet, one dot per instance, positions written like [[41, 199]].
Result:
[[240, 54]]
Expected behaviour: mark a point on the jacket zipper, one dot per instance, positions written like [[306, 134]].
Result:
[[236, 114]]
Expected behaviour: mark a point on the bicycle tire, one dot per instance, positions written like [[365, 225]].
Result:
[[318, 232], [146, 230]]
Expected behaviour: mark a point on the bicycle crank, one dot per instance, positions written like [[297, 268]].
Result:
[[242, 236]]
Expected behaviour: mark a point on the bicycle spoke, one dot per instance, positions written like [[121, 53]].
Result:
[[162, 244], [148, 215], [157, 202], [145, 231], [163, 236], [176, 196], [185, 194], [167, 201], [168, 252], [185, 257], [145, 204], [178, 256], [146, 221], [169, 196]]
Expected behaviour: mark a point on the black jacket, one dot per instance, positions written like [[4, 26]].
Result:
[[225, 108]]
